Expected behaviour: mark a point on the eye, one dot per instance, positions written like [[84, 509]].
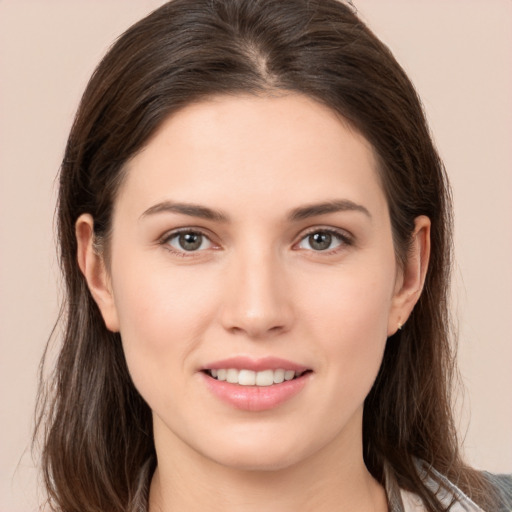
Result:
[[323, 240], [188, 241]]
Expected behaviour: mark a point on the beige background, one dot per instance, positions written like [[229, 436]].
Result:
[[458, 54]]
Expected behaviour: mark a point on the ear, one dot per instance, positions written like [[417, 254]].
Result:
[[92, 265], [411, 278]]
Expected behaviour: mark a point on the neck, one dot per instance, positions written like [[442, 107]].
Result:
[[333, 480]]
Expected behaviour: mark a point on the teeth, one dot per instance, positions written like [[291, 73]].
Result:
[[265, 378], [289, 374], [232, 376], [279, 376], [247, 378], [251, 378]]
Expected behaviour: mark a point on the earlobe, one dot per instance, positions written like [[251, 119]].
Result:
[[93, 268], [412, 277]]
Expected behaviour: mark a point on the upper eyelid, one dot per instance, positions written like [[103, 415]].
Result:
[[342, 233], [345, 238], [164, 241], [188, 229]]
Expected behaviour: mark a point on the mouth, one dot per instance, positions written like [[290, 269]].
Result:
[[255, 385], [247, 377]]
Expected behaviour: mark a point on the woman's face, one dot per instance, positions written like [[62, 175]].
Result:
[[252, 236]]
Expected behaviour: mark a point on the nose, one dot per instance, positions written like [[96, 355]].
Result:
[[257, 300]]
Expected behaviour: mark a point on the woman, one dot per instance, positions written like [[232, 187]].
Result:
[[255, 234]]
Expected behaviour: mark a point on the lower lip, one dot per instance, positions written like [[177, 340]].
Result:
[[255, 398]]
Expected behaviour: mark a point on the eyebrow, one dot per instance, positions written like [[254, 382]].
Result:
[[297, 214], [193, 210], [339, 205]]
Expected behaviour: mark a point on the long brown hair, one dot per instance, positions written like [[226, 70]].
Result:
[[98, 451]]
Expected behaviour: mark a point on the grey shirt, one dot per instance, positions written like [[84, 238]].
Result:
[[448, 493]]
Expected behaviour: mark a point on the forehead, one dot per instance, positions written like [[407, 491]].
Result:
[[253, 151]]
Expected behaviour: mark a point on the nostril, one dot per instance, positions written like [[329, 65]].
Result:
[[255, 330]]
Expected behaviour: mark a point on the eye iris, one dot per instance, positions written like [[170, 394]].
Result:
[[190, 241], [320, 241]]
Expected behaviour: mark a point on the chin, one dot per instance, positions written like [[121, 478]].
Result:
[[259, 454], [256, 462]]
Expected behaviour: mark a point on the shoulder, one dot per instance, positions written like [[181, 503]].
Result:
[[451, 496], [503, 486]]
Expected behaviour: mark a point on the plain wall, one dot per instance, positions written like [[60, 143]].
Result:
[[458, 54]]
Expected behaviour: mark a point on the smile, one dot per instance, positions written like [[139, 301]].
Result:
[[245, 377], [255, 385]]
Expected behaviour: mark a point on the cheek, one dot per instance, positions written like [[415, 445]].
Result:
[[161, 315], [349, 320], [352, 303]]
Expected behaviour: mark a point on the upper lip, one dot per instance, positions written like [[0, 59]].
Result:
[[257, 365]]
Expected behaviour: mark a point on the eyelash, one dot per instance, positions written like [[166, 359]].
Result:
[[344, 239], [165, 241]]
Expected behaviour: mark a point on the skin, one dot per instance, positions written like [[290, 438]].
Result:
[[257, 287]]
